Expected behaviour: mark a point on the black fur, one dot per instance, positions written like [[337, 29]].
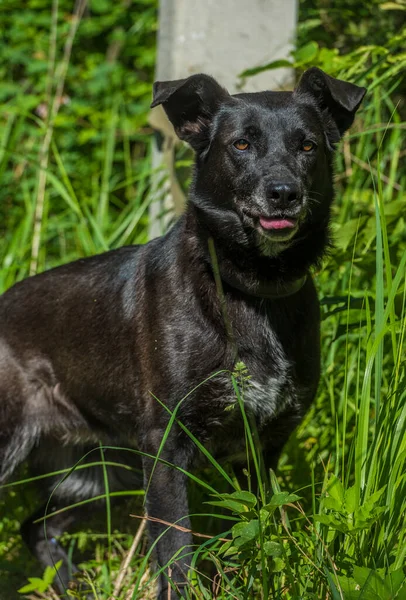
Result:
[[85, 347]]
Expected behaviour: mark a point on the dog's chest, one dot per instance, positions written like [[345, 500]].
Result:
[[268, 385], [262, 398], [263, 372], [266, 398]]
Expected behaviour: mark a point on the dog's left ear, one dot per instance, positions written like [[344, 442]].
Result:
[[340, 98], [190, 105]]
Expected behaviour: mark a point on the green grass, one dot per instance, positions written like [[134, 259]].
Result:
[[332, 524]]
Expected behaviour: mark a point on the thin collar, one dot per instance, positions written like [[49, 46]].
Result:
[[271, 290]]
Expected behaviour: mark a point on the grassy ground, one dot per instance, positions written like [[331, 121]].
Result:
[[334, 526]]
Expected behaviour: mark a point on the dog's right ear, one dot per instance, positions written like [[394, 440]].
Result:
[[190, 105]]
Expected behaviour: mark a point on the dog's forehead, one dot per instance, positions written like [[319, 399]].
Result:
[[267, 110], [265, 99]]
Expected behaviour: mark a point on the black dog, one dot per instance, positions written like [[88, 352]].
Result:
[[88, 347]]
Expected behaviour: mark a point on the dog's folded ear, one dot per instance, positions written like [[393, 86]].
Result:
[[190, 105], [339, 98]]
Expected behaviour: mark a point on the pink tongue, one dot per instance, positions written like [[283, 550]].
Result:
[[277, 223]]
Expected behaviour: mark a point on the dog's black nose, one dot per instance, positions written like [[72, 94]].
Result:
[[283, 193]]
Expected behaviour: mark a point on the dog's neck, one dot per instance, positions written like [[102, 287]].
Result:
[[245, 269], [269, 290]]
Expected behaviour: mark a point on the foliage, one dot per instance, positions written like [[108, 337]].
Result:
[[38, 584], [348, 24], [331, 525], [98, 159]]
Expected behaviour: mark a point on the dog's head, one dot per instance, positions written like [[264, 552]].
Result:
[[263, 160]]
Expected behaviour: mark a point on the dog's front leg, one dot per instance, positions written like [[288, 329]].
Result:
[[166, 499]]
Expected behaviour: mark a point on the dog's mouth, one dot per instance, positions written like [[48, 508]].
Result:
[[278, 228], [277, 224]]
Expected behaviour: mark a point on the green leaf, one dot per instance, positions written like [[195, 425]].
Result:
[[372, 585], [332, 503], [225, 547], [246, 498], [41, 585], [278, 565], [327, 58], [372, 501], [395, 581], [345, 233], [350, 500], [335, 491], [233, 505], [275, 64], [306, 54], [350, 588], [36, 585], [365, 516], [281, 499], [245, 532], [273, 549], [231, 550], [392, 6], [50, 572], [332, 522], [362, 574]]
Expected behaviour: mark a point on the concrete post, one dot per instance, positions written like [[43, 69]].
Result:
[[222, 38]]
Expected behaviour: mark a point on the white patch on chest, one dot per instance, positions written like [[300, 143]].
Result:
[[268, 399]]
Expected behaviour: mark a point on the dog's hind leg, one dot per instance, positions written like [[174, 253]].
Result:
[[79, 485], [42, 541], [42, 530]]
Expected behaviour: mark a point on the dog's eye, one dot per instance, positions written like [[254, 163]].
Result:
[[307, 146], [241, 145]]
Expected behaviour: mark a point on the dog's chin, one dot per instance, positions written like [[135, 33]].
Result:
[[271, 235], [272, 242], [278, 235]]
